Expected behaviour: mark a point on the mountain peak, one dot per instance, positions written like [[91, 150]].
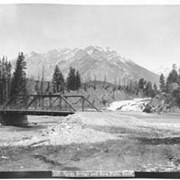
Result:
[[92, 61], [91, 49]]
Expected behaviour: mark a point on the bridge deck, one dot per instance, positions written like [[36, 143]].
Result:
[[37, 112]]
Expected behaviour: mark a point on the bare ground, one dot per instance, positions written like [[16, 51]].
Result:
[[94, 141]]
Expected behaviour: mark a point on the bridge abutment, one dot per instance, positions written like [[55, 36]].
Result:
[[13, 118]]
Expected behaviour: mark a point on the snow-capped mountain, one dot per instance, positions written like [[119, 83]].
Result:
[[92, 62]]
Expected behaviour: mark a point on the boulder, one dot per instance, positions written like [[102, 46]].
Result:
[[160, 103]]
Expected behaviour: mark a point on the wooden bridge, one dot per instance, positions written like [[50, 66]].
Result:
[[50, 105]]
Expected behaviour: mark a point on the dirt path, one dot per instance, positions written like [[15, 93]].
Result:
[[108, 141]]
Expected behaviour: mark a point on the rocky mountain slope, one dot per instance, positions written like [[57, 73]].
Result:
[[92, 62]]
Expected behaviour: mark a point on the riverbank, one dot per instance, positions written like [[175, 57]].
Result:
[[94, 141]]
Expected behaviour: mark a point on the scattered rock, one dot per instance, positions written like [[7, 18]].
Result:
[[69, 130]]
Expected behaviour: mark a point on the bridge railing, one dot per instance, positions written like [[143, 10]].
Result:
[[52, 102]]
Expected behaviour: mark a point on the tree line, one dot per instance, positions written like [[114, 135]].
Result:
[[146, 88], [73, 80], [171, 84], [14, 86]]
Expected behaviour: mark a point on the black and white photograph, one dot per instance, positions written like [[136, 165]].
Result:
[[89, 90]]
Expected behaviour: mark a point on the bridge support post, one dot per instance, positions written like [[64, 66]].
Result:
[[13, 118], [60, 103]]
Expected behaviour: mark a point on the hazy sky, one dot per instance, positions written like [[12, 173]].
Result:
[[149, 35]]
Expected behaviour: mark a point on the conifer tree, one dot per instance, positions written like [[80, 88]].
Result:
[[48, 88], [18, 85], [42, 82], [58, 82], [155, 88], [162, 85], [5, 79], [1, 85], [172, 78], [141, 85], [78, 80], [71, 79], [149, 89], [179, 78]]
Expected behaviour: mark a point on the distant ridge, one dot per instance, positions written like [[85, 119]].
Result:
[[93, 62]]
